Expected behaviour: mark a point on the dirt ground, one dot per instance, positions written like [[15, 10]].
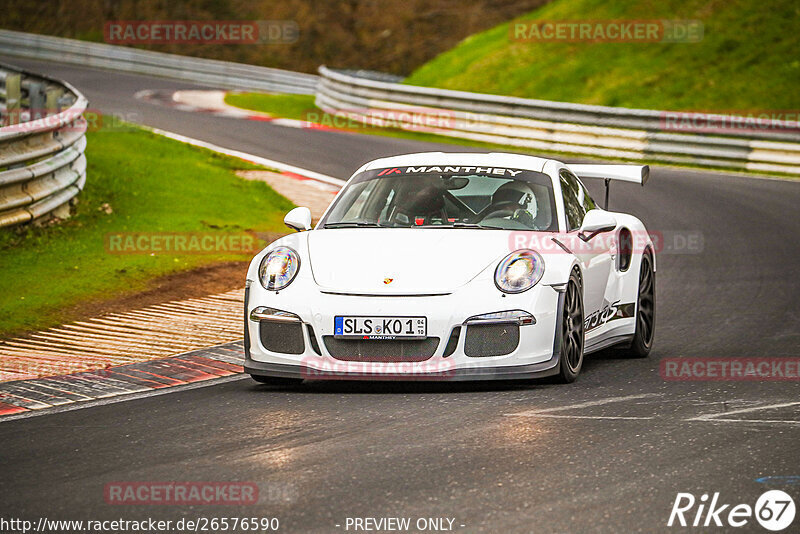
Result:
[[208, 280]]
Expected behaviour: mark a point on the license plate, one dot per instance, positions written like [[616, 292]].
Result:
[[366, 327]]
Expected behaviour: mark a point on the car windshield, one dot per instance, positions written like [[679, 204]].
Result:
[[489, 198]]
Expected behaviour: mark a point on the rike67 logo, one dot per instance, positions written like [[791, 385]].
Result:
[[774, 510]]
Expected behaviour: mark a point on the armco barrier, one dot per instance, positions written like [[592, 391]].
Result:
[[219, 74], [42, 139], [632, 134]]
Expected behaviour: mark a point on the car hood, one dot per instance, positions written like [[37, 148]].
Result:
[[404, 261]]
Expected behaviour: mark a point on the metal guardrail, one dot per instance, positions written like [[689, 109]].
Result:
[[42, 139], [221, 74], [631, 134]]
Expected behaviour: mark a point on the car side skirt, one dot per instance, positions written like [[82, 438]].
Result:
[[604, 343]]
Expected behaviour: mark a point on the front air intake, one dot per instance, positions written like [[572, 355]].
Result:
[[358, 350], [491, 340], [452, 343], [285, 338]]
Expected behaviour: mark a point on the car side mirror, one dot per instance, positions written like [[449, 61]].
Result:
[[298, 219], [596, 222]]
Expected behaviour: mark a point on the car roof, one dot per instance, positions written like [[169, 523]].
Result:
[[492, 159]]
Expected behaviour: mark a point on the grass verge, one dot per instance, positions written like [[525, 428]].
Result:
[[137, 182], [746, 61]]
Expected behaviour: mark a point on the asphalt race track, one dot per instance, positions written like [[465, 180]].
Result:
[[608, 453]]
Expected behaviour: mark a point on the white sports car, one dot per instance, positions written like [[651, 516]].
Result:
[[453, 266]]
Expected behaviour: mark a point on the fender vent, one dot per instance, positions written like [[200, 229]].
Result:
[[625, 250]]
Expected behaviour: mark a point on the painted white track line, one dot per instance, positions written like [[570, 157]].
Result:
[[258, 160], [546, 412], [724, 417], [717, 417]]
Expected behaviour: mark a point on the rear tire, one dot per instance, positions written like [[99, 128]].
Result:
[[572, 332], [645, 311], [277, 380]]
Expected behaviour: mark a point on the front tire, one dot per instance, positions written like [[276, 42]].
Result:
[[645, 311], [572, 332], [277, 380]]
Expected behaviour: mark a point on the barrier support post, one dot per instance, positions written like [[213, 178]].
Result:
[[13, 98]]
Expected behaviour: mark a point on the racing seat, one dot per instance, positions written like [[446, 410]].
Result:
[[422, 206]]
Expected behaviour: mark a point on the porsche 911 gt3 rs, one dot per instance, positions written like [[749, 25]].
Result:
[[453, 266]]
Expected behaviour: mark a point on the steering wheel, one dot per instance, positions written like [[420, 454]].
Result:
[[501, 209]]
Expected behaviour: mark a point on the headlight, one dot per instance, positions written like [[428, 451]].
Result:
[[278, 268], [519, 271]]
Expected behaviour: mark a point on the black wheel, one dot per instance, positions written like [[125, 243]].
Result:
[[277, 380], [645, 311], [571, 359]]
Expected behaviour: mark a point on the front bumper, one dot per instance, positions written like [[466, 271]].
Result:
[[536, 353], [352, 372]]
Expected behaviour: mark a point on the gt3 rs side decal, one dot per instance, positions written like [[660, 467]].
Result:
[[610, 312]]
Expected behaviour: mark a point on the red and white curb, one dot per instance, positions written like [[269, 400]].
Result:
[[213, 103], [24, 397]]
